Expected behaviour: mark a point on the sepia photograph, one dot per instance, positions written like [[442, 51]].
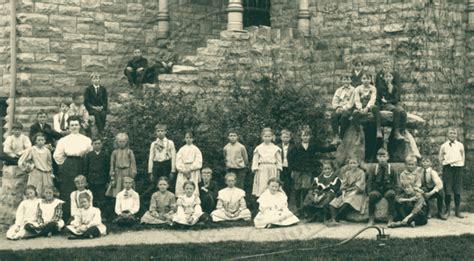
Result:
[[236, 130]]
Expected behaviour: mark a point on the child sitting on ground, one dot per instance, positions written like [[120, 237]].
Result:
[[122, 164], [411, 207], [273, 207], [231, 203], [326, 187], [207, 191], [25, 213], [127, 204], [38, 163], [80, 182], [49, 215], [353, 191], [432, 187], [162, 205], [189, 206], [87, 221], [14, 145]]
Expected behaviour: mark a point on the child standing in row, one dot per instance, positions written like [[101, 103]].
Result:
[[162, 159], [286, 146], [188, 164], [38, 162], [273, 207], [305, 164], [266, 163], [452, 157], [162, 205], [122, 164], [432, 187], [26, 213], [15, 145], [87, 221], [236, 158], [96, 170], [231, 202]]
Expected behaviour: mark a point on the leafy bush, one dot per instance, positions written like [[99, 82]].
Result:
[[210, 116]]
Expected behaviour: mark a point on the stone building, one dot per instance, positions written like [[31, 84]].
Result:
[[60, 42]]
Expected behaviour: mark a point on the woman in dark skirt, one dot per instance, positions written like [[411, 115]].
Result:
[[69, 154]]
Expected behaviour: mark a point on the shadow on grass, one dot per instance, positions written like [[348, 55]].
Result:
[[455, 248]]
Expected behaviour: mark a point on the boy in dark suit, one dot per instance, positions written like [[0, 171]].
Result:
[[96, 101], [96, 170], [41, 125], [357, 72], [136, 68], [382, 183]]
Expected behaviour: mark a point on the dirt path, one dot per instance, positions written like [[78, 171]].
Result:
[[435, 228]]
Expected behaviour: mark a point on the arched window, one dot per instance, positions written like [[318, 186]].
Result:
[[256, 12]]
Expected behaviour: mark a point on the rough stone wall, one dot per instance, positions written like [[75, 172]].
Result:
[[284, 14], [192, 22], [4, 45]]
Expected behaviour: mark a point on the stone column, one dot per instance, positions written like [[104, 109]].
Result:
[[163, 19], [470, 15], [235, 15], [303, 17]]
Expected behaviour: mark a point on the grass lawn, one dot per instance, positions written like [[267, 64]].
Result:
[[454, 248]]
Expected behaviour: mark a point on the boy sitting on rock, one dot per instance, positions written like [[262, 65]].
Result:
[[343, 104], [136, 68]]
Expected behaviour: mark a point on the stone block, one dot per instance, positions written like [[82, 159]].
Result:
[[135, 9], [73, 37], [32, 19], [31, 44], [110, 48], [94, 62], [69, 10], [64, 82], [234, 36], [84, 48], [46, 57], [393, 28], [115, 8], [63, 21], [181, 69], [46, 8], [42, 79], [114, 37], [25, 57], [113, 27], [25, 5], [90, 5]]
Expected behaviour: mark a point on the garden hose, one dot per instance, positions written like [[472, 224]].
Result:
[[382, 237]]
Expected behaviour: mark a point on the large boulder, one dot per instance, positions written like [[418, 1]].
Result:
[[413, 121]]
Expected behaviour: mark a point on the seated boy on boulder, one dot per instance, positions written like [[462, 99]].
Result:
[[382, 183], [343, 104], [136, 68], [388, 99]]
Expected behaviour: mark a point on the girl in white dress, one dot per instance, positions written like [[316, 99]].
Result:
[[231, 202], [188, 164], [273, 208], [189, 206], [267, 162], [87, 221], [25, 213]]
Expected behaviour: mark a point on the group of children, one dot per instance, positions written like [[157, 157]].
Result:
[[183, 193]]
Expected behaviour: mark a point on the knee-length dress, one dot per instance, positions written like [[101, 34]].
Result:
[[188, 207], [231, 200], [164, 204], [25, 213], [122, 164], [273, 210], [188, 159], [353, 187], [267, 163], [41, 161]]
